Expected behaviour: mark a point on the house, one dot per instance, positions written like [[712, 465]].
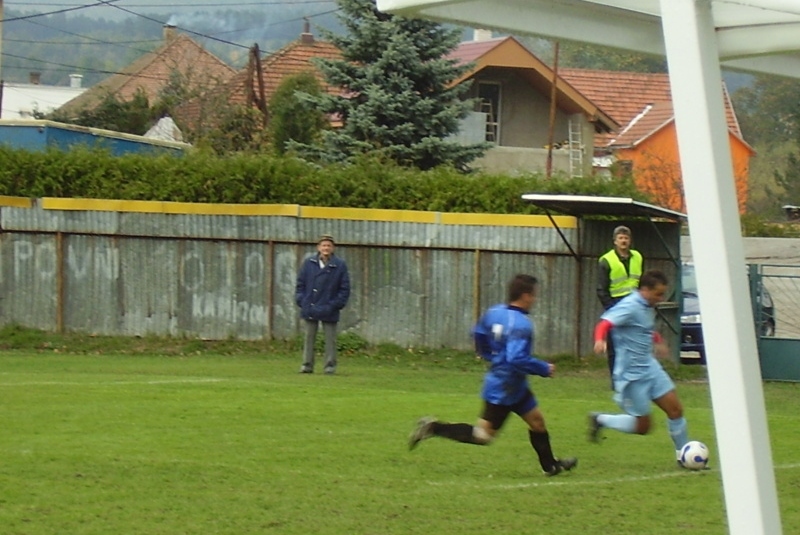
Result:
[[513, 90], [511, 85], [24, 100], [180, 56], [255, 84], [647, 143]]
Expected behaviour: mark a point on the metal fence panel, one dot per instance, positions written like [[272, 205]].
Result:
[[29, 280], [213, 276]]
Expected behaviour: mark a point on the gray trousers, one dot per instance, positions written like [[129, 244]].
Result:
[[330, 344]]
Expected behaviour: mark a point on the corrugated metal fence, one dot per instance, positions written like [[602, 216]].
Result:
[[220, 271]]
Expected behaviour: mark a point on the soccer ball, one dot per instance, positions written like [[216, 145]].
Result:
[[694, 455]]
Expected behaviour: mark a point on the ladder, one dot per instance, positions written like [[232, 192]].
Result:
[[575, 149], [491, 120]]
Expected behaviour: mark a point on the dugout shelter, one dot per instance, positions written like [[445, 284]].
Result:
[[656, 234]]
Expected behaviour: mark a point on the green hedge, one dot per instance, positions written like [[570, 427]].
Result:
[[246, 178]]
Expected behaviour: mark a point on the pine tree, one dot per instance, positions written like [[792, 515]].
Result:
[[397, 95]]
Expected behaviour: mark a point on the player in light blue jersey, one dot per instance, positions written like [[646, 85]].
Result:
[[504, 337], [638, 377]]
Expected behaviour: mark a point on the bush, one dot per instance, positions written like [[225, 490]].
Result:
[[202, 176]]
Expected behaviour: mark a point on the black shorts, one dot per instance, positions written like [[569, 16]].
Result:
[[496, 415]]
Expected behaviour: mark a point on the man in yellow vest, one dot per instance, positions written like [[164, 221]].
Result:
[[618, 275]]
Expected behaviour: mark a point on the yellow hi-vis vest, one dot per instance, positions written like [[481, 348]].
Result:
[[621, 283]]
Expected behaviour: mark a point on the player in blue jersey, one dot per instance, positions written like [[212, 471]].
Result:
[[504, 337], [638, 377]]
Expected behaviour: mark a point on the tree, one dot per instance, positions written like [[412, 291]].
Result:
[[587, 56], [397, 96], [133, 116], [769, 111], [292, 118], [237, 128]]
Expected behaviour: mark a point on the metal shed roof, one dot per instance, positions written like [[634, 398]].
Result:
[[584, 205], [752, 35]]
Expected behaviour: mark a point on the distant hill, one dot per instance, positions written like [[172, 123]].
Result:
[[122, 11], [61, 44]]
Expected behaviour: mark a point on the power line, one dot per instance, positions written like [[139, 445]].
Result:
[[76, 68], [95, 42], [56, 12], [195, 5], [89, 38], [162, 23]]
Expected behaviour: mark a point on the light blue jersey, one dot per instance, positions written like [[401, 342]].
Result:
[[504, 336], [634, 321], [638, 376]]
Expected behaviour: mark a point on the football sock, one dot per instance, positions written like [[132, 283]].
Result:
[[457, 432], [541, 443], [678, 432], [621, 422]]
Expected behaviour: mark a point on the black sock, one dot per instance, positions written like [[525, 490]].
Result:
[[541, 443], [457, 432]]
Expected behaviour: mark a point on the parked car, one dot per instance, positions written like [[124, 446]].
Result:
[[691, 330]]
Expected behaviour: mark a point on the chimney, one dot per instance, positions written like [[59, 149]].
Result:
[[75, 80], [35, 77], [307, 38], [481, 35], [170, 33]]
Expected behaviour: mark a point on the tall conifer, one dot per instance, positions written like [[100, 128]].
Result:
[[397, 95]]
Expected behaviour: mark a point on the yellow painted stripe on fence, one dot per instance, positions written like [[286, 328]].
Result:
[[290, 210], [508, 220], [369, 214], [16, 202], [159, 207], [54, 203], [294, 210]]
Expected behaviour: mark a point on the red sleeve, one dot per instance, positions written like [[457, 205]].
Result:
[[657, 338], [601, 330]]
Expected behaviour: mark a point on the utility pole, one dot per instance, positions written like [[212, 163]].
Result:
[[553, 108]]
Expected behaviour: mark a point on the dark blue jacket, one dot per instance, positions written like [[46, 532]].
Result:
[[322, 293]]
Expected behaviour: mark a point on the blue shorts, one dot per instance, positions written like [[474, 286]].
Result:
[[635, 397]]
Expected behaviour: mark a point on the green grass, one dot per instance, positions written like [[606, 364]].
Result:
[[101, 436]]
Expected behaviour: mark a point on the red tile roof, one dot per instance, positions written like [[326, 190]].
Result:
[[294, 58], [629, 96], [151, 72], [653, 117], [470, 51]]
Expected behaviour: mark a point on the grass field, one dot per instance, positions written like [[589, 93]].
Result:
[[179, 437]]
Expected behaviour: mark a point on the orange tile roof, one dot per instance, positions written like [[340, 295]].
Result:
[[469, 51], [651, 119], [151, 72], [294, 58], [627, 95]]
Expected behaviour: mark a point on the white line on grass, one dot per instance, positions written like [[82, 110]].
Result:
[[567, 481], [113, 383]]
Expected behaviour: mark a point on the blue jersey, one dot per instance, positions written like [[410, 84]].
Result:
[[504, 337], [634, 321]]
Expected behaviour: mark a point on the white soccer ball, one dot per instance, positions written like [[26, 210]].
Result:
[[694, 455]]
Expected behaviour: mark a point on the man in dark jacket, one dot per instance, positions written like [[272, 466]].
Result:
[[322, 290]]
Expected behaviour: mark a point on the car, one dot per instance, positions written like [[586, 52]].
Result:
[[691, 328]]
